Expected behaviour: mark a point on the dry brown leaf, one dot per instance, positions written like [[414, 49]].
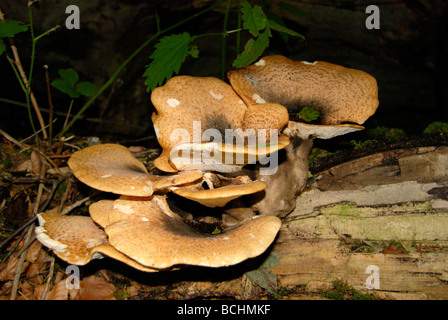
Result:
[[131, 291], [95, 288], [33, 251], [26, 291], [35, 163], [6, 291], [8, 268], [25, 166], [32, 273], [58, 292]]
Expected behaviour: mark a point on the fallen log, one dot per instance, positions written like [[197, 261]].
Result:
[[379, 223]]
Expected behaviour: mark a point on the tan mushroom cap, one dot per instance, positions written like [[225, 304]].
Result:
[[78, 240], [219, 197], [113, 168], [71, 237], [340, 94], [221, 157], [185, 99], [165, 240], [189, 106]]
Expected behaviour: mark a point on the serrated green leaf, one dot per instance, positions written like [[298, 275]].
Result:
[[69, 75], [168, 57], [253, 50], [86, 88], [280, 28], [9, 28], [254, 18], [2, 47], [65, 87]]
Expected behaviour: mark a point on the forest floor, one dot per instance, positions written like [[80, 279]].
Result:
[[34, 180]]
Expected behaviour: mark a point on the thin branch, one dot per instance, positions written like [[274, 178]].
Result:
[[33, 100], [50, 277], [19, 269], [223, 46]]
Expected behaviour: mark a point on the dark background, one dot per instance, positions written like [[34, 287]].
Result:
[[407, 55]]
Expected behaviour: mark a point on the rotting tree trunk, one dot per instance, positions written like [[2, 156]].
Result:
[[388, 210]]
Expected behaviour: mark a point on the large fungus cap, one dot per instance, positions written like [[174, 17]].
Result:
[[78, 240], [71, 237], [340, 94], [193, 110], [113, 168], [155, 237]]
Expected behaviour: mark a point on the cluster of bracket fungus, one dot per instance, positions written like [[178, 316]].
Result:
[[209, 132], [139, 228], [345, 98]]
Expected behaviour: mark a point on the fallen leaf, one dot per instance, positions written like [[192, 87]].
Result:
[[58, 292], [8, 269], [95, 288]]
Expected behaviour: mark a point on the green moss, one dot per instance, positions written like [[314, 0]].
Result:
[[343, 291], [357, 144], [317, 154], [437, 127], [388, 134], [347, 209], [60, 191]]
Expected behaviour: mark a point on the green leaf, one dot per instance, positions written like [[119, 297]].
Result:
[[280, 28], [69, 75], [65, 87], [86, 88], [2, 47], [308, 114], [9, 28], [171, 51], [253, 50], [254, 18]]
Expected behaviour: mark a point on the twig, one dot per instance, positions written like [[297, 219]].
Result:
[[30, 221], [25, 146], [22, 73], [50, 106], [65, 196], [20, 263], [33, 219], [223, 48], [50, 276]]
